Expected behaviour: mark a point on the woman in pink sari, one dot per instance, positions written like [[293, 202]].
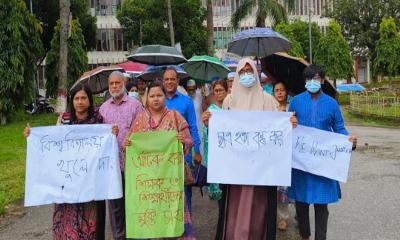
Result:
[[157, 117]]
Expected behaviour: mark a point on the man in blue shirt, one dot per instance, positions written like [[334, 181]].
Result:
[[315, 109], [184, 105]]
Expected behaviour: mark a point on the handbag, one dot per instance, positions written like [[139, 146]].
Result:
[[188, 177], [199, 173]]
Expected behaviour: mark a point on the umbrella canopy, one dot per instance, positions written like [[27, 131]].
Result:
[[157, 55], [97, 79], [285, 68], [204, 68], [350, 88], [132, 67], [258, 42], [153, 73]]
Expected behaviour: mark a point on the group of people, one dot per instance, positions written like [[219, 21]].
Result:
[[245, 212]]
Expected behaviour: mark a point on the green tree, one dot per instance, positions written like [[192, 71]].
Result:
[[273, 9], [299, 30], [145, 22], [387, 49], [286, 30], [333, 52], [48, 12], [77, 58], [20, 50], [360, 21]]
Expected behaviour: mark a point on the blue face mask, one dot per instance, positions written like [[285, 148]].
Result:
[[313, 86], [247, 80], [134, 95]]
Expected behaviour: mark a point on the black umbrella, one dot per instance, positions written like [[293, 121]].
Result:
[[97, 79], [258, 42], [157, 55], [289, 69]]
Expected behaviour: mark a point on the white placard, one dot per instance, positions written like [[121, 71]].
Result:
[[250, 148], [321, 152], [72, 164]]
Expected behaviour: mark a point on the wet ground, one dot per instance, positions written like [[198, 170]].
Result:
[[369, 209]]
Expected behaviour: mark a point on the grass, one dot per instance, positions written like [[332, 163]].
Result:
[[387, 111], [344, 99], [98, 100], [364, 120], [13, 153]]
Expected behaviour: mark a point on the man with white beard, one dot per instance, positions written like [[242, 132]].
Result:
[[121, 110]]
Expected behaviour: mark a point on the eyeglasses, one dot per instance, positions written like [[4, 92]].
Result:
[[219, 90], [248, 71]]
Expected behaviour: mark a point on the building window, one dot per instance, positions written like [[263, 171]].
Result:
[[111, 40]]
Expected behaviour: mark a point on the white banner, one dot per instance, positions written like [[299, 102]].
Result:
[[321, 152], [72, 164], [250, 148]]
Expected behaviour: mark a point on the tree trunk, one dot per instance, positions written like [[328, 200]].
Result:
[[3, 119], [171, 23], [63, 62], [210, 28]]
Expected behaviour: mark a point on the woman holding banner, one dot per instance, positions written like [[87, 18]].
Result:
[[220, 90], [248, 212], [79, 220], [157, 117], [279, 90]]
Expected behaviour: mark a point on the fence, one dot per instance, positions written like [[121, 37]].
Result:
[[378, 105]]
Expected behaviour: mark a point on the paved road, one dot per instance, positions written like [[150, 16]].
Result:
[[369, 210]]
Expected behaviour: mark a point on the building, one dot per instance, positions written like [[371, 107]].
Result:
[[224, 9], [223, 31], [111, 46]]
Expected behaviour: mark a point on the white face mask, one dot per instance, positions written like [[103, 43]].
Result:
[[247, 80], [313, 86], [134, 95]]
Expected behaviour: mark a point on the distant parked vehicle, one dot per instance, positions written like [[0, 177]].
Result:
[[40, 105]]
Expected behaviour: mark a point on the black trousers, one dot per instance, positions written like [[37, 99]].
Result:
[[116, 209], [321, 220], [100, 220]]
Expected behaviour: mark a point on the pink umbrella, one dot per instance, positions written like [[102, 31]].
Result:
[[133, 67]]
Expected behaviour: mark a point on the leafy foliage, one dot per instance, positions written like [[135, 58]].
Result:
[[387, 49], [333, 52], [360, 21], [188, 17], [299, 31], [48, 12], [20, 50], [273, 9], [287, 31], [77, 58]]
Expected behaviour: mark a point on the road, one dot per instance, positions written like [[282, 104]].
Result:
[[369, 209]]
